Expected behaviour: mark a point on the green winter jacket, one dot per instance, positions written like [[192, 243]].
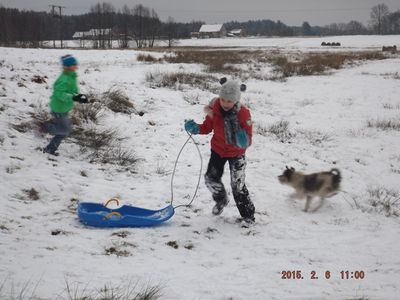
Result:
[[65, 87]]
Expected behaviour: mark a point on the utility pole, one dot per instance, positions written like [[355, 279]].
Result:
[[58, 15]]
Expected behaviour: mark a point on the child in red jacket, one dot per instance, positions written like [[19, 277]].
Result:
[[231, 123]]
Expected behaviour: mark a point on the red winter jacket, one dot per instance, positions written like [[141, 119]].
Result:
[[216, 122]]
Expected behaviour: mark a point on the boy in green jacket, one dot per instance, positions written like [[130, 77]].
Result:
[[65, 92]]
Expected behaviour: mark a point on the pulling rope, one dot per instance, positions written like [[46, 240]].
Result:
[[173, 172]]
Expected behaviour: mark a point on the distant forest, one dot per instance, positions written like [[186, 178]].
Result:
[[142, 25]]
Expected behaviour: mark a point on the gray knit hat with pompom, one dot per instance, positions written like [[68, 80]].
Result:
[[231, 90]]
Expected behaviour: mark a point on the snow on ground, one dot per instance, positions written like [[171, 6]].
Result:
[[215, 258], [300, 43]]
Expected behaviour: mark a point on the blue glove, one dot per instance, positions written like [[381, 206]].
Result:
[[192, 127], [242, 139]]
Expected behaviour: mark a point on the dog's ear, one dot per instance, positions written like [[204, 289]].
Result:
[[287, 168]]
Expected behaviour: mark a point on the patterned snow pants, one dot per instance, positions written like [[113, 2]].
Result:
[[237, 166]]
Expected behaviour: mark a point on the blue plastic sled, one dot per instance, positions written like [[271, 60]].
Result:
[[98, 215]]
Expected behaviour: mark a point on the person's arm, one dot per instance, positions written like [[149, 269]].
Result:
[[207, 126]]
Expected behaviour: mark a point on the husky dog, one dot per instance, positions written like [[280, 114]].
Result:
[[323, 184]]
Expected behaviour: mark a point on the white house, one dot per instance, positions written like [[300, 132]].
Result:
[[208, 31], [79, 35], [92, 33], [237, 32]]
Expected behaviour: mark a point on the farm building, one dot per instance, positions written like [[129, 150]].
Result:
[[237, 32], [212, 31], [92, 34]]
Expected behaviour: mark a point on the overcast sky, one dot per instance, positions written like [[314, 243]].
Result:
[[290, 12]]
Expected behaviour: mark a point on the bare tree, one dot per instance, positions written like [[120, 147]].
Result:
[[394, 23], [306, 29], [170, 31], [103, 23], [355, 27], [24, 28], [379, 14], [140, 13], [336, 28], [153, 28], [123, 27]]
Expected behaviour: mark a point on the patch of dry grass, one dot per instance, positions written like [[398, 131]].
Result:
[[384, 125], [116, 100], [147, 58], [285, 64], [177, 80]]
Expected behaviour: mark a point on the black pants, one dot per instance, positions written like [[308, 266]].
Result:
[[237, 166]]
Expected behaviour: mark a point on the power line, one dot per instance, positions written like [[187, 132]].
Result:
[[220, 11]]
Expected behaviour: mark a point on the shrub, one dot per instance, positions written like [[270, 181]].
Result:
[[215, 60], [309, 65], [146, 58], [116, 155], [391, 106], [314, 137], [129, 291], [379, 200], [40, 115], [279, 129], [39, 79], [32, 194], [384, 201], [93, 139], [226, 61], [103, 146], [191, 98], [90, 112], [23, 127], [116, 100], [385, 125], [176, 80]]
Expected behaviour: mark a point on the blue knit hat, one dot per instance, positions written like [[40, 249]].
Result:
[[68, 61]]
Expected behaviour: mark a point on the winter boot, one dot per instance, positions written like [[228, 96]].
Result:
[[219, 207], [248, 222], [46, 150]]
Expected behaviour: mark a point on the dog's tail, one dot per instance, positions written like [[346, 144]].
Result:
[[336, 178]]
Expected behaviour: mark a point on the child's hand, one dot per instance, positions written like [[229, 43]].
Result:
[[81, 98], [242, 139], [192, 127]]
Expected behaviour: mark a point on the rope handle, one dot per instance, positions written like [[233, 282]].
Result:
[[110, 200], [114, 213], [174, 170]]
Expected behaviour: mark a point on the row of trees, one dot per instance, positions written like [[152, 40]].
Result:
[[141, 25], [28, 28], [382, 21]]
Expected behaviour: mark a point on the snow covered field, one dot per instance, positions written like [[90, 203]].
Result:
[[43, 245], [302, 43]]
